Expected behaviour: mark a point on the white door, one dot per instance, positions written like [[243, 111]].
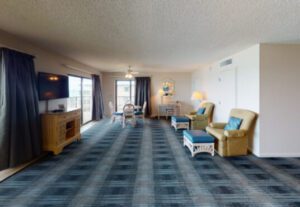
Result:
[[227, 87]]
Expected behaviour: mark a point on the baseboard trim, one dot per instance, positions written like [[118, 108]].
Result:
[[4, 174], [250, 151], [266, 155], [297, 154]]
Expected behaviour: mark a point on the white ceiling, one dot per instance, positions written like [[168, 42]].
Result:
[[151, 35]]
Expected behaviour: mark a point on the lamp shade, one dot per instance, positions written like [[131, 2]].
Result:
[[196, 96], [161, 92]]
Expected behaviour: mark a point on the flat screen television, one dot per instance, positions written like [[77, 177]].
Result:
[[52, 86]]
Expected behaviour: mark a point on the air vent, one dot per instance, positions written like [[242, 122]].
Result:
[[226, 62]]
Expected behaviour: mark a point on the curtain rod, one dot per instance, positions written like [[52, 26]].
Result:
[[77, 69], [65, 65], [18, 50], [123, 77]]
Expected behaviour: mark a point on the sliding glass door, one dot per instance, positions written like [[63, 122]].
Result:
[[87, 100], [80, 96], [74, 100], [125, 92]]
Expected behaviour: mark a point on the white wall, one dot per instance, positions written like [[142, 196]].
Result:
[[233, 86], [182, 88], [280, 100], [46, 61]]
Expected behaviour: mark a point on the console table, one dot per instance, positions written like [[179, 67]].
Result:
[[60, 129], [170, 109]]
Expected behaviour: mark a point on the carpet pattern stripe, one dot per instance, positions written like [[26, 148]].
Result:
[[85, 196], [147, 166], [195, 185], [143, 194]]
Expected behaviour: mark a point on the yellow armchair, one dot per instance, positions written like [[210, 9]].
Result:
[[199, 122], [233, 142]]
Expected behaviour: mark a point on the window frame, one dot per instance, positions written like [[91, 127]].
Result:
[[130, 91], [81, 97]]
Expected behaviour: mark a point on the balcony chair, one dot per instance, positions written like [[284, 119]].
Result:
[[141, 114], [114, 115], [128, 115]]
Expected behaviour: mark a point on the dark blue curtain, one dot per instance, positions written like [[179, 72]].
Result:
[[20, 139], [143, 92], [98, 107]]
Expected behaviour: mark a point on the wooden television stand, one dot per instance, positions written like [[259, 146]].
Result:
[[60, 129]]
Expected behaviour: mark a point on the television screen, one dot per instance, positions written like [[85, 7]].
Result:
[[52, 86]]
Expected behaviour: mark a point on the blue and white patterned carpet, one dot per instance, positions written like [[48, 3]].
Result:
[[148, 166]]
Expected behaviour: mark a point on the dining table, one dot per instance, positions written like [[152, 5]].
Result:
[[136, 107]]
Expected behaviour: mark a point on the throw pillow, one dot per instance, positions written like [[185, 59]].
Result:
[[234, 123], [200, 111]]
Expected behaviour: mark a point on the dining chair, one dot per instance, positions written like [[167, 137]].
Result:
[[141, 114], [114, 115], [128, 114]]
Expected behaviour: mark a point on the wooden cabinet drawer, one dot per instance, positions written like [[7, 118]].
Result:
[[62, 118]]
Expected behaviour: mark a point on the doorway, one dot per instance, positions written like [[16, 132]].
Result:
[[227, 95]]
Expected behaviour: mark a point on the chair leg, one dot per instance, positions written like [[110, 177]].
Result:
[[124, 122], [113, 119]]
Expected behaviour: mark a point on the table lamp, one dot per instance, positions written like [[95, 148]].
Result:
[[161, 93], [197, 96]]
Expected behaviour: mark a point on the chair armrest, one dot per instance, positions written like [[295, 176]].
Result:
[[193, 113], [218, 125], [191, 117], [201, 117], [235, 133]]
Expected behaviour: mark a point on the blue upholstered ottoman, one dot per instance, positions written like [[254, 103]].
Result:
[[180, 122], [198, 141]]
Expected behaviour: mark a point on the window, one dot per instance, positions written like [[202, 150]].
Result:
[[125, 93], [80, 96]]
